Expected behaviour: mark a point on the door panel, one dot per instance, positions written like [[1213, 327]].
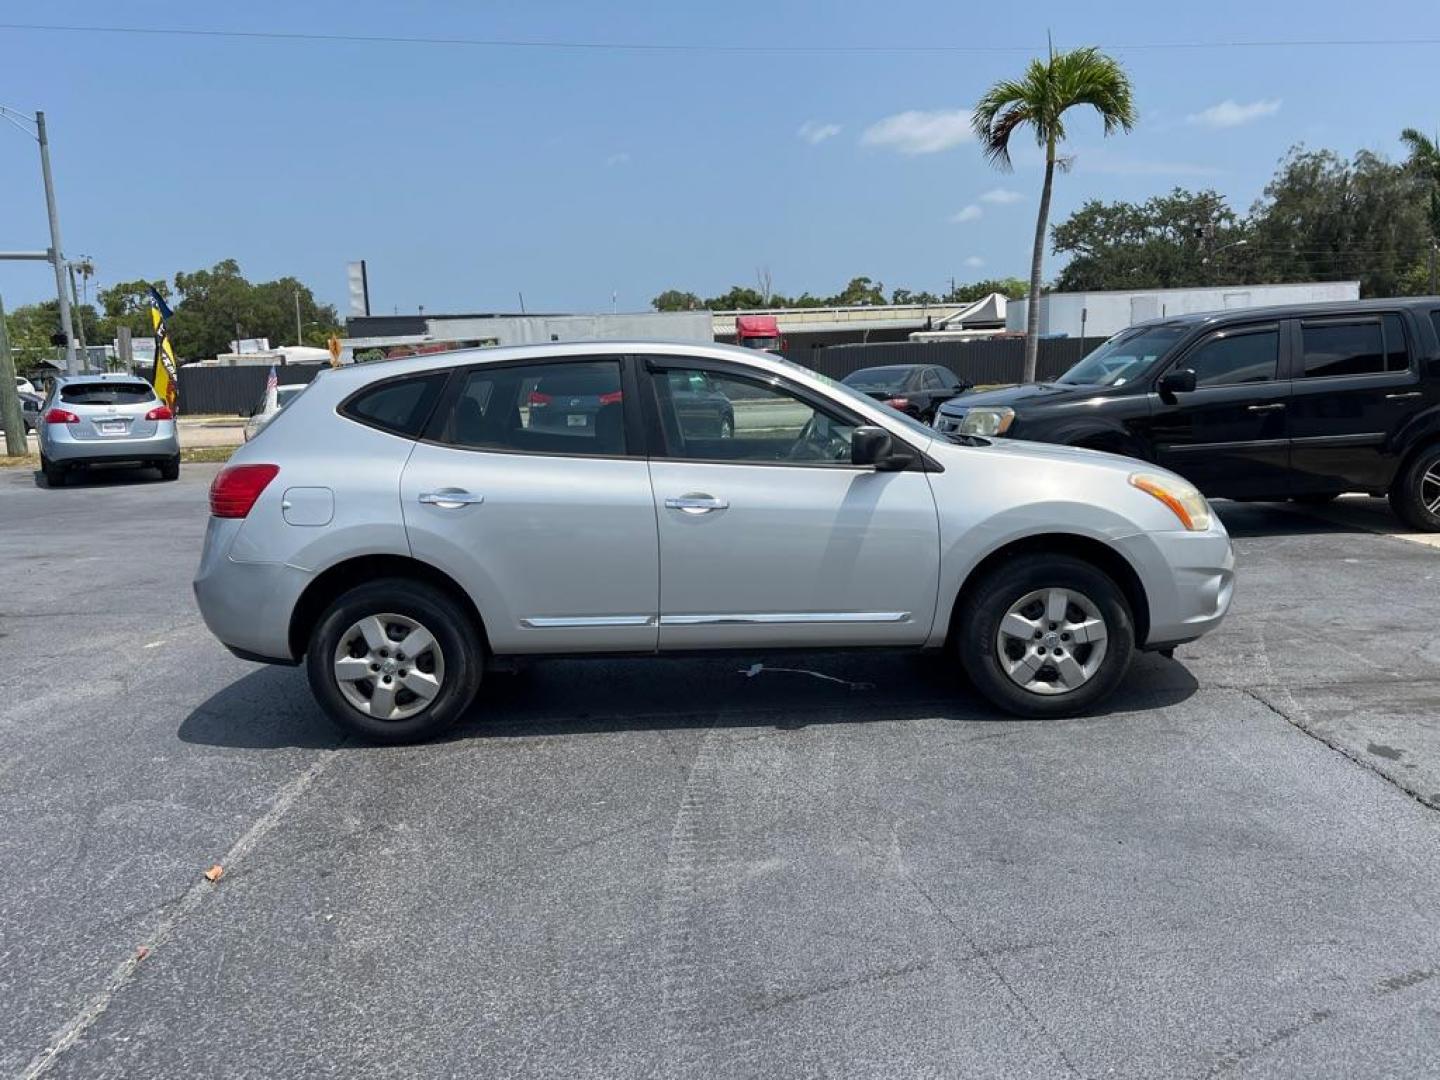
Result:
[[794, 556], [560, 556], [1230, 436], [1354, 387]]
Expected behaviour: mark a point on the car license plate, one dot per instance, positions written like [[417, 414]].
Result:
[[576, 421], [112, 427]]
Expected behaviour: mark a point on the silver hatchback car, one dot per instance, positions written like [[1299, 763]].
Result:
[[402, 525], [109, 420]]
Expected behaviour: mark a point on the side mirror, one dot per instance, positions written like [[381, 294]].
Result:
[[1179, 381], [872, 446]]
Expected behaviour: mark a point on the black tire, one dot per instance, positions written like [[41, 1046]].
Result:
[[54, 474], [170, 469], [978, 630], [460, 648], [1416, 490], [1318, 498]]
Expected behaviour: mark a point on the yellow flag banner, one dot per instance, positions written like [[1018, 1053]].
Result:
[[165, 381]]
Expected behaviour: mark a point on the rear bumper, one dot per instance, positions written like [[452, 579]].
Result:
[[60, 447], [247, 605], [1189, 580]]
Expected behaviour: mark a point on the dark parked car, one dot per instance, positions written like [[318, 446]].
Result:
[[30, 410], [1301, 402], [915, 389]]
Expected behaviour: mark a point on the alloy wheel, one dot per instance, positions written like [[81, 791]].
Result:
[[1051, 641], [1430, 489], [388, 666]]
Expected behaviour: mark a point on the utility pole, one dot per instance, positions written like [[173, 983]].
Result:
[[78, 315], [11, 418], [299, 335], [1434, 268], [57, 256]]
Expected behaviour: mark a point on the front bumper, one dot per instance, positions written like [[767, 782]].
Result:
[[247, 605], [61, 447], [1189, 579]]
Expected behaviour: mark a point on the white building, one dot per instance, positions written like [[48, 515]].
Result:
[[1100, 314]]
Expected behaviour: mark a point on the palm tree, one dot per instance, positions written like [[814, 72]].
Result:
[[1040, 99], [1425, 161]]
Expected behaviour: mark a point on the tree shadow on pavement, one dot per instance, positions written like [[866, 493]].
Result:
[[272, 706]]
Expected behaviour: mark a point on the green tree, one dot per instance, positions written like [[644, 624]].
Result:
[[675, 300], [861, 292], [31, 327], [218, 305], [1010, 287], [1424, 161], [739, 297], [1323, 218], [1170, 241], [1040, 99]]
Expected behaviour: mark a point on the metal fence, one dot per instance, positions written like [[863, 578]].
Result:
[[233, 390], [996, 360]]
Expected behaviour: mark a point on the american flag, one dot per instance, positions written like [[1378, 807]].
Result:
[[272, 382]]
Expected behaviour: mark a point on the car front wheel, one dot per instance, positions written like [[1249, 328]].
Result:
[[1415, 498], [395, 661], [1047, 636]]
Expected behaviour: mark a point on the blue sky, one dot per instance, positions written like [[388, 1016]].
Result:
[[466, 175]]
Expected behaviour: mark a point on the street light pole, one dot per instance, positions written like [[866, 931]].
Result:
[[57, 257], [299, 335]]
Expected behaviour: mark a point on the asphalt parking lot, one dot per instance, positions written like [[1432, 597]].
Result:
[[674, 869]]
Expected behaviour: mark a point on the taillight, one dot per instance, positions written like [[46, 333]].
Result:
[[900, 403], [61, 416], [612, 398], [160, 412], [236, 487], [537, 398]]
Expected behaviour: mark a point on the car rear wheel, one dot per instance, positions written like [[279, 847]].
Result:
[[1047, 636], [395, 661], [1415, 497], [170, 469], [54, 474]]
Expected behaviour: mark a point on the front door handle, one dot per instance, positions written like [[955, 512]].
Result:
[[1266, 408], [1404, 397], [696, 503], [451, 498]]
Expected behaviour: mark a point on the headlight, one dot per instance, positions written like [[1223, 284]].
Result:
[[989, 422], [1183, 499]]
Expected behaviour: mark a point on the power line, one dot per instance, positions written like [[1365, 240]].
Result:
[[691, 47]]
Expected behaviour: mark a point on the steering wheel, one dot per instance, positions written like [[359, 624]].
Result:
[[813, 445]]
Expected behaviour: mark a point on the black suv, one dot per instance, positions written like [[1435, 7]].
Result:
[[1299, 402]]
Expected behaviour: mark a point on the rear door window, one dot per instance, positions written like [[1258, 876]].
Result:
[[400, 406], [1397, 350], [1229, 359], [562, 408], [1354, 347], [107, 393]]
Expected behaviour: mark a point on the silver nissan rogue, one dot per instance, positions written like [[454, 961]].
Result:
[[402, 524]]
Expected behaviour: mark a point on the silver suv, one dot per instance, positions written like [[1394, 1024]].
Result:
[[402, 524], [105, 419]]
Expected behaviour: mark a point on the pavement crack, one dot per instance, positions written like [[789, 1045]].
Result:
[[1300, 723], [181, 909], [763, 1003]]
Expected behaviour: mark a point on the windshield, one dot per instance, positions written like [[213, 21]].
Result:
[[915, 426], [1124, 357], [877, 378]]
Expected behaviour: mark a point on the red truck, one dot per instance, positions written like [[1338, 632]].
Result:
[[758, 332]]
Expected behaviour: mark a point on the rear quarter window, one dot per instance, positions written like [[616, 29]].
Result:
[[400, 406], [106, 393]]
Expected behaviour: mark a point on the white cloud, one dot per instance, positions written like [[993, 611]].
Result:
[[919, 132], [1230, 113], [974, 262], [815, 133], [621, 158], [967, 213], [1001, 196]]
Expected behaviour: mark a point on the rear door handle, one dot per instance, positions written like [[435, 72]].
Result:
[[451, 498], [696, 503], [1266, 408], [1404, 397]]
